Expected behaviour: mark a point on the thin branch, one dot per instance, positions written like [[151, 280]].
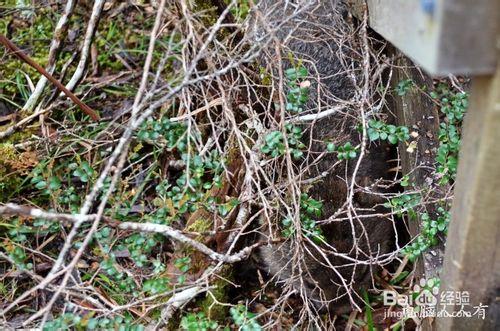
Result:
[[168, 231], [89, 34], [315, 117], [54, 47], [149, 58], [20, 54]]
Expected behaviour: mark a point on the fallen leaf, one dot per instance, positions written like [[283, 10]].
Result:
[[411, 147]]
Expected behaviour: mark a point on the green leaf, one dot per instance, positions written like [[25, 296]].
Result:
[[393, 139], [373, 135], [297, 154], [78, 172], [291, 73], [181, 279], [302, 72], [54, 183], [92, 323], [368, 312], [41, 185]]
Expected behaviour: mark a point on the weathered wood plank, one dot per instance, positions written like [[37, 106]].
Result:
[[442, 36], [416, 110], [472, 260]]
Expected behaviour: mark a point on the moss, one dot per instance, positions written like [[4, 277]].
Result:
[[199, 222], [8, 181], [7, 152], [220, 293], [13, 168], [211, 16], [20, 135]]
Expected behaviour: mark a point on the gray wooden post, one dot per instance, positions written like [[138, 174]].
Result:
[[472, 259]]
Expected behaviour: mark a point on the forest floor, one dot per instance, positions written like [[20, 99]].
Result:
[[147, 215]]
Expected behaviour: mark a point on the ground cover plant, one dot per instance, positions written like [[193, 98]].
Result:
[[150, 216]]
